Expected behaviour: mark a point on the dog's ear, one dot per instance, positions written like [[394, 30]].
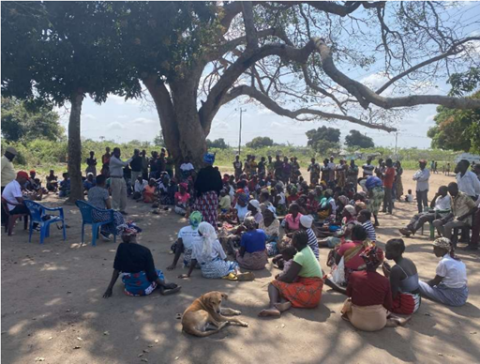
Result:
[[224, 296]]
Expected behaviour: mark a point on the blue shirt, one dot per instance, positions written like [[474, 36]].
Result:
[[253, 241]]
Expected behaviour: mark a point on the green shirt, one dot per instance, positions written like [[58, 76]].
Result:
[[310, 265]]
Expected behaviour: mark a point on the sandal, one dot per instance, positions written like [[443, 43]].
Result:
[[231, 277]]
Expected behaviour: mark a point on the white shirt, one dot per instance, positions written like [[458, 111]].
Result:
[[409, 198], [11, 192], [190, 237], [443, 203], [140, 186], [217, 251], [8, 172], [241, 212], [468, 184], [186, 167], [116, 166], [453, 271], [422, 176]]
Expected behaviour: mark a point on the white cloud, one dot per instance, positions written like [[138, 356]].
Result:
[[115, 125], [143, 121], [89, 117]]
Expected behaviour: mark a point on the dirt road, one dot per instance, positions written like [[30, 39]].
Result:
[[52, 303]]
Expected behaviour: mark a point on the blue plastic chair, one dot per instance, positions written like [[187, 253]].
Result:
[[37, 215], [86, 210]]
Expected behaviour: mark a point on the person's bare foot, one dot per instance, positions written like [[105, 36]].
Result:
[[269, 312], [282, 307]]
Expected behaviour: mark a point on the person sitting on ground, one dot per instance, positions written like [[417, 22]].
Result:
[[450, 283], [99, 197], [280, 200], [364, 218], [370, 297], [89, 182], [264, 199], [186, 169], [463, 208], [349, 252], [440, 206], [306, 222], [271, 227], [349, 220], [212, 259], [409, 196], [254, 211], [403, 279], [225, 202], [182, 200], [188, 236], [52, 184], [166, 193], [291, 223], [135, 263], [312, 203], [327, 205], [139, 187], [31, 185], [284, 260], [64, 186], [301, 286], [150, 192], [252, 254], [292, 194]]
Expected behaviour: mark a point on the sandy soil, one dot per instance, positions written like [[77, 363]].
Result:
[[52, 303]]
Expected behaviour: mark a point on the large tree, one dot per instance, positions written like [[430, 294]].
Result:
[[302, 60], [60, 52], [358, 140], [260, 142]]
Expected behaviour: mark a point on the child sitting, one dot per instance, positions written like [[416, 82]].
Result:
[[139, 187], [149, 191], [284, 260], [225, 202], [64, 186], [409, 196], [182, 199], [52, 184]]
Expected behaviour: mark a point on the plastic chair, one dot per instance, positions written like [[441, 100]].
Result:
[[86, 210], [37, 215], [11, 219]]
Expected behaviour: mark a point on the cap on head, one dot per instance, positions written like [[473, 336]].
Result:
[[22, 174], [11, 150]]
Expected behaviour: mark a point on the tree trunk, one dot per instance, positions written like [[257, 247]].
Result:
[[75, 148], [177, 109]]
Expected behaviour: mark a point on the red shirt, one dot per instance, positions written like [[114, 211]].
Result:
[[369, 288], [355, 262], [389, 177]]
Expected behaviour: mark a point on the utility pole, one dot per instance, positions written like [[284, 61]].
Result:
[[240, 132], [396, 143]]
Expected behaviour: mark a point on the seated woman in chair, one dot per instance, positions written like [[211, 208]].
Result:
[[98, 196]]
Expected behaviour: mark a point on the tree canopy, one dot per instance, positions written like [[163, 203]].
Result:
[[457, 129], [22, 121], [358, 140], [260, 142], [217, 143], [323, 139]]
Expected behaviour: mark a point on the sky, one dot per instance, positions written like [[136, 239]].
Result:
[[123, 121]]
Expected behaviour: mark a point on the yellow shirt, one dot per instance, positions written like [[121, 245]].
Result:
[[8, 173]]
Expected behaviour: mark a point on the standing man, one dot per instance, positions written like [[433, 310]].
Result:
[[238, 167], [278, 166], [388, 179], [136, 165], [144, 165], [117, 182], [8, 172], [106, 161], [91, 164], [422, 176], [262, 167], [154, 166], [352, 174], [331, 167], [467, 181], [368, 168], [314, 169]]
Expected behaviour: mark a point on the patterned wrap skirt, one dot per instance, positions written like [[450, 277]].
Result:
[[137, 284], [303, 293], [107, 229], [406, 303], [375, 202], [218, 268], [253, 261], [207, 204]]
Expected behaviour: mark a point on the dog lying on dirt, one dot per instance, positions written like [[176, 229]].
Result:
[[204, 317]]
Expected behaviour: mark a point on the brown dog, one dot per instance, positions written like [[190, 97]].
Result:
[[204, 317]]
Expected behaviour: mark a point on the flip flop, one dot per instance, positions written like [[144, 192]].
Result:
[[231, 277]]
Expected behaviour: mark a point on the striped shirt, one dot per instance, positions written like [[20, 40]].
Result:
[[313, 242], [370, 230]]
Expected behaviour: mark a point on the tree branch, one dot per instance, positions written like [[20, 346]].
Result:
[[365, 95], [250, 31], [273, 106]]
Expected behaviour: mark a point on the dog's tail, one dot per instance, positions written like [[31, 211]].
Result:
[[193, 331]]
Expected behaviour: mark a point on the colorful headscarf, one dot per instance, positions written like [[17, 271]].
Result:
[[184, 185], [209, 236], [343, 199], [209, 158], [373, 257], [129, 229], [195, 219], [446, 244], [373, 182], [243, 197]]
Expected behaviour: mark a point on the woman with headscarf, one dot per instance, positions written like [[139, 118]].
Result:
[[348, 221], [374, 186], [271, 226], [188, 236], [450, 283], [208, 185], [212, 259], [326, 206], [370, 299], [135, 263], [301, 285], [252, 254]]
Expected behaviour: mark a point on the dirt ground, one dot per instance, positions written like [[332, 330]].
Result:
[[53, 310]]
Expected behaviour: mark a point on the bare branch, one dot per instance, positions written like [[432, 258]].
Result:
[[250, 31], [273, 106]]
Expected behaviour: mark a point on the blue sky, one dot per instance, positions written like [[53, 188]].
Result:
[[123, 121]]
